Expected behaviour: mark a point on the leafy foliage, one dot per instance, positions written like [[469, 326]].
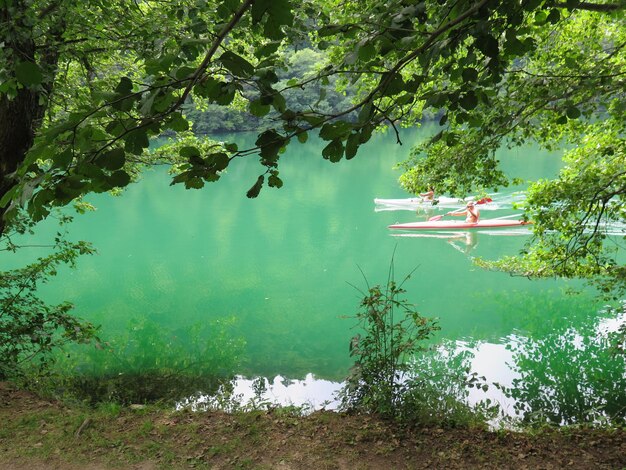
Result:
[[393, 334], [29, 327], [396, 376], [565, 92], [548, 390], [103, 95], [149, 363]]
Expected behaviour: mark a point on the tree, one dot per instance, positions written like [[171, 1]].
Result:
[[85, 85], [566, 92]]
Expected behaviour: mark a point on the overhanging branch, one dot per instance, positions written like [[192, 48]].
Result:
[[599, 7]]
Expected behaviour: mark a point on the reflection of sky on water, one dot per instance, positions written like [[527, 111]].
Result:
[[311, 392], [505, 364], [492, 361]]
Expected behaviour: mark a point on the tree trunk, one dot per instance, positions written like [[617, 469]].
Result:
[[21, 115], [18, 118]]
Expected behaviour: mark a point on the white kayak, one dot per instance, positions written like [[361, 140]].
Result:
[[459, 225], [415, 203]]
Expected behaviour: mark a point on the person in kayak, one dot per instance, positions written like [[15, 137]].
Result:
[[472, 212], [428, 195]]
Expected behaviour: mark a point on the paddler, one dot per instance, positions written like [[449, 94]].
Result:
[[472, 212], [428, 195]]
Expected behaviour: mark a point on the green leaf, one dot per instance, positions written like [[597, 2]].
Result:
[[219, 160], [352, 145], [136, 141], [208, 88], [119, 179], [194, 183], [160, 64], [256, 188], [189, 151], [279, 102], [541, 17], [163, 101], [274, 181], [469, 74], [112, 160], [226, 94], [303, 137], [333, 29], [124, 87], [226, 9], [335, 130], [90, 170], [62, 159], [177, 123], [367, 51], [125, 104], [573, 112], [266, 49], [260, 8], [8, 196], [237, 64], [184, 72], [393, 84], [280, 13], [288, 115], [333, 151], [28, 74], [488, 45], [513, 45], [468, 100], [270, 142], [366, 112], [196, 161], [258, 109], [562, 119]]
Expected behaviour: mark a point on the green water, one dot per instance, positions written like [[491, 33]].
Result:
[[277, 270]]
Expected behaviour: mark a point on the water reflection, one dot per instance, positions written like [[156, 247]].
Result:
[[464, 242], [149, 362], [308, 394], [565, 377], [569, 377]]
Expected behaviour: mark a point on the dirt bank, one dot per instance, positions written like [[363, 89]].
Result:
[[41, 434]]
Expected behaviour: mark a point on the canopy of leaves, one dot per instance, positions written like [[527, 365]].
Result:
[[85, 85], [568, 93]]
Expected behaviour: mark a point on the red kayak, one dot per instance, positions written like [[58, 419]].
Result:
[[459, 225]]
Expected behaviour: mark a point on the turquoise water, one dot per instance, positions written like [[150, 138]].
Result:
[[278, 272]]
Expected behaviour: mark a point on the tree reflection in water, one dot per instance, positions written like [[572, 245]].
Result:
[[571, 376]]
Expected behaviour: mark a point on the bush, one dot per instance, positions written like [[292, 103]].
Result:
[[393, 333], [397, 377]]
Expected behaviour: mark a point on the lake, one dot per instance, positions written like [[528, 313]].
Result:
[[267, 287]]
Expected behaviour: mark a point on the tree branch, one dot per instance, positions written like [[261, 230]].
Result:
[[599, 7]]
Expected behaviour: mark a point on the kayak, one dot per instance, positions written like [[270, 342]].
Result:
[[414, 202], [459, 225]]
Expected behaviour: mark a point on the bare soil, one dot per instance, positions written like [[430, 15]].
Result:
[[36, 433]]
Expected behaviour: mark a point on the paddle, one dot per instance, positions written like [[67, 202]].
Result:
[[439, 217]]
